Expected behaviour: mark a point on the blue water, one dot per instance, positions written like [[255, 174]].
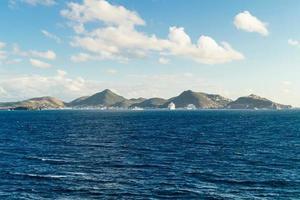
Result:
[[150, 155]]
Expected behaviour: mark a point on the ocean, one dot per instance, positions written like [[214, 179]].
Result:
[[209, 154]]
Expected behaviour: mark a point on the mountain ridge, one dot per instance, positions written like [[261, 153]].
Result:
[[107, 99]]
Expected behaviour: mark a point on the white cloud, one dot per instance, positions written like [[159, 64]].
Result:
[[17, 51], [39, 63], [81, 57], [2, 45], [101, 10], [19, 87], [13, 61], [66, 87], [12, 3], [247, 22], [40, 2], [2, 92], [111, 71], [159, 85], [293, 42], [50, 55], [116, 36], [5, 56], [163, 60], [51, 36], [61, 73], [207, 50], [188, 74], [3, 53]]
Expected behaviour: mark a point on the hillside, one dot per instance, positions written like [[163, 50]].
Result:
[[150, 103], [128, 102], [36, 103], [106, 98], [199, 100], [255, 102]]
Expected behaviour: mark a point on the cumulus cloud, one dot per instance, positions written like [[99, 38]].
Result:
[[115, 36], [51, 36], [207, 50], [39, 63], [247, 22], [101, 10]]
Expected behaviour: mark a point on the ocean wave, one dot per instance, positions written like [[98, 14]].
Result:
[[39, 176], [50, 160]]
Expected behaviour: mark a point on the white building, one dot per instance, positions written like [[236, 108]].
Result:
[[171, 106], [191, 107]]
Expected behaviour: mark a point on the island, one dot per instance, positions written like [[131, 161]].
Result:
[[107, 99]]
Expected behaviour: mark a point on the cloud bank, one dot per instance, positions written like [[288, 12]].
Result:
[[115, 36]]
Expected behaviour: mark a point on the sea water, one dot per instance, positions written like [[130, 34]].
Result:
[[150, 154]]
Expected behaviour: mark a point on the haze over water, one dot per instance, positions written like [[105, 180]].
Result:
[[150, 154]]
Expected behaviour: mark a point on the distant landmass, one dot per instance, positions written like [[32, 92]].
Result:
[[110, 100], [255, 102], [35, 104]]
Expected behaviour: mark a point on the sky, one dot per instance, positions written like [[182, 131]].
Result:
[[151, 48]]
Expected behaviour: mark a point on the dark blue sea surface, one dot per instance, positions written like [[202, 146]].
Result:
[[150, 155]]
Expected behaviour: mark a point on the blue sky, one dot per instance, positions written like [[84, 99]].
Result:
[[149, 48]]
